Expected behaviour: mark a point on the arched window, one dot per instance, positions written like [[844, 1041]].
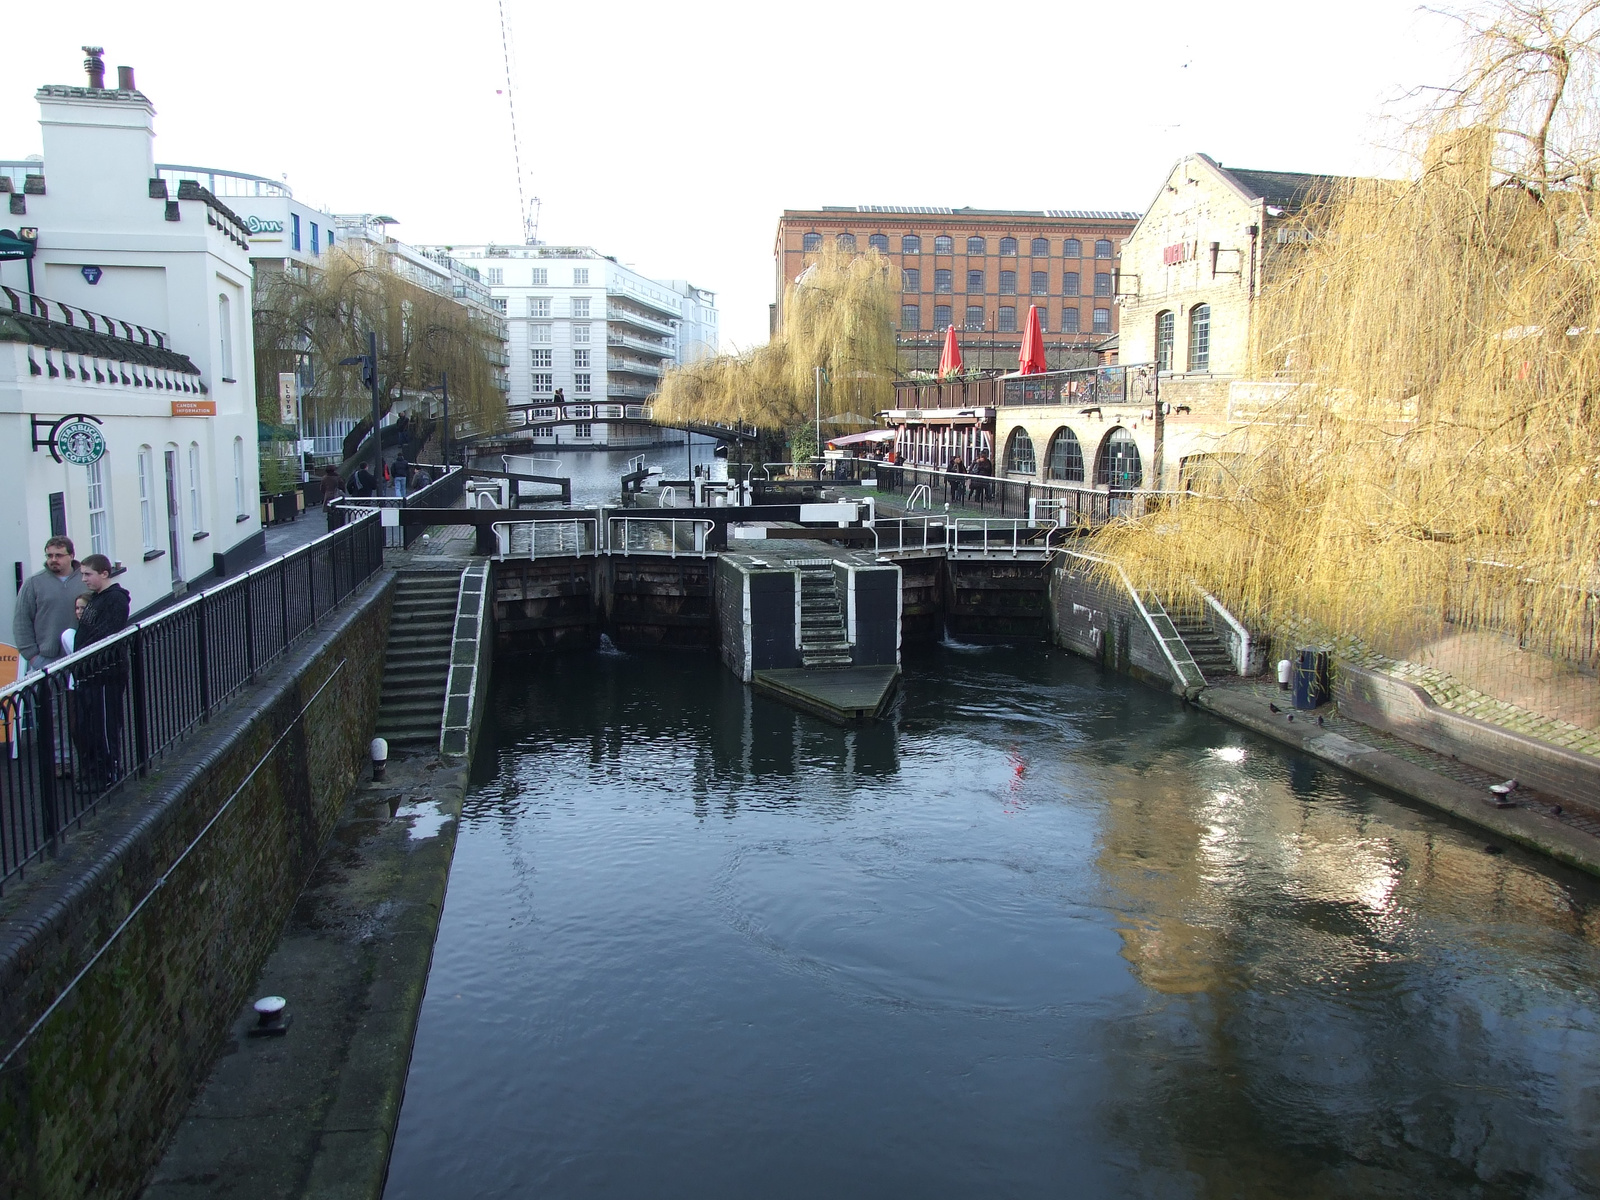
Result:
[[1072, 248], [976, 245], [1164, 329], [910, 244], [1200, 337], [941, 317], [1070, 320], [1044, 318], [1019, 453], [1008, 245], [1041, 247], [1117, 465], [1065, 460], [225, 336], [1101, 322], [910, 316], [879, 242], [1102, 249], [944, 244], [811, 242], [847, 242]]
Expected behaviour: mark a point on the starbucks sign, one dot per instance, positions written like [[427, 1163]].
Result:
[[78, 441]]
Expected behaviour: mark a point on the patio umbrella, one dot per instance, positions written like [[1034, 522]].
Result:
[[950, 360], [1032, 356]]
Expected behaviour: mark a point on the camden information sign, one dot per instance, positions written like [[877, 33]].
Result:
[[78, 441]]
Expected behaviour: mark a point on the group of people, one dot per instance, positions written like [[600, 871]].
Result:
[[961, 487], [66, 607], [396, 479]]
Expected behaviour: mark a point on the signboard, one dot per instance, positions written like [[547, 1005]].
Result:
[[10, 669], [257, 225], [288, 408], [92, 275], [78, 442], [1178, 252], [194, 408]]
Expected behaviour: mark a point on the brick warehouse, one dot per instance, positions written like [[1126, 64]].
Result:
[[979, 270]]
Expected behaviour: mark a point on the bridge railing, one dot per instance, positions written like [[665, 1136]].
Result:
[[1009, 536], [550, 538], [77, 730], [669, 536]]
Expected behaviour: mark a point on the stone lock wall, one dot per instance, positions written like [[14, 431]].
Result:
[[1100, 622], [87, 1104]]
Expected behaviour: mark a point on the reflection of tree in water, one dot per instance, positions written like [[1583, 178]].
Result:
[[1346, 1000]]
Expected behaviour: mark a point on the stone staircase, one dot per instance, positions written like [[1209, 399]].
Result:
[[1205, 647], [417, 663], [823, 640]]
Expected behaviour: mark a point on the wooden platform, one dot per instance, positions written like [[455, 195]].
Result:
[[845, 696]]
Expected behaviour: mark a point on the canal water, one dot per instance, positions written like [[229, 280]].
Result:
[[597, 474], [1044, 933]]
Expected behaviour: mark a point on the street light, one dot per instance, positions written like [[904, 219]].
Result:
[[443, 388]]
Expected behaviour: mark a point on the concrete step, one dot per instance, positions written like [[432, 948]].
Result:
[[825, 660]]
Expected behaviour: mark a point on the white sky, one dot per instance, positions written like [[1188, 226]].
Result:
[[672, 135]]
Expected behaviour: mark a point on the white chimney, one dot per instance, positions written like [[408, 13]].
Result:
[[99, 151]]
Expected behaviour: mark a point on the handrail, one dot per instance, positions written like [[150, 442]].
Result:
[[700, 535], [922, 491], [1178, 671], [1241, 660], [503, 537]]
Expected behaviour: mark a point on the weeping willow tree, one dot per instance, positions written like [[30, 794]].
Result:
[[839, 316], [326, 314], [1436, 451]]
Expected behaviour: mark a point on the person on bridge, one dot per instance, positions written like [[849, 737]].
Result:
[[362, 481], [332, 485], [102, 680], [44, 606]]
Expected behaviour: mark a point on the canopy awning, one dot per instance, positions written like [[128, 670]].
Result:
[[871, 437]]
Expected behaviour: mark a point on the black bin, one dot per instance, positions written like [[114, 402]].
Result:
[[1309, 679]]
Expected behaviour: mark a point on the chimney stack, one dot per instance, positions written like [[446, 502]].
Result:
[[125, 80], [95, 67]]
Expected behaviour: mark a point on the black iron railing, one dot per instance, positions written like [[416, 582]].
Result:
[[77, 730]]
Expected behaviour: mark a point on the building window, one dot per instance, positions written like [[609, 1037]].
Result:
[[1039, 283], [147, 498], [1019, 453], [499, 303], [1102, 249], [941, 316], [1102, 320], [879, 242], [294, 230], [910, 243], [1008, 283], [1008, 245], [1044, 317], [580, 335], [541, 277], [944, 244], [330, 239], [1117, 465], [580, 385], [539, 333], [974, 316], [543, 381], [1070, 321], [316, 234], [846, 242], [1166, 325], [225, 338], [580, 307], [99, 508], [544, 431], [810, 242], [581, 412], [1065, 460], [580, 358], [538, 306], [1200, 338], [580, 276], [1102, 283], [977, 245], [910, 281], [1071, 284], [944, 281], [494, 276], [910, 316], [1008, 319], [541, 359], [582, 431], [239, 510], [196, 524], [1041, 247], [1072, 248]]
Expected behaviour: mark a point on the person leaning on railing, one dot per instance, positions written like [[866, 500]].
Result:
[[101, 680]]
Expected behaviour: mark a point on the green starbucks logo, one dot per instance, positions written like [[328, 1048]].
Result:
[[79, 442]]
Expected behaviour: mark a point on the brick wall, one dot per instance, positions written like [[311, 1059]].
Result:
[[1100, 622], [86, 1106]]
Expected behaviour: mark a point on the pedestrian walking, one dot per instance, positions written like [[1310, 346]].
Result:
[[958, 485], [401, 474], [332, 484], [421, 477], [363, 482], [102, 679]]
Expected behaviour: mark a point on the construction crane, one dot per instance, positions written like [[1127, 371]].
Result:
[[529, 216]]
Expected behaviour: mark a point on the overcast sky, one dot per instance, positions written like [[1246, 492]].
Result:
[[672, 136]]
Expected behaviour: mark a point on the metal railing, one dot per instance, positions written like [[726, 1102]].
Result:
[[443, 492], [896, 534], [1016, 537], [75, 731], [1186, 672], [669, 536], [562, 538]]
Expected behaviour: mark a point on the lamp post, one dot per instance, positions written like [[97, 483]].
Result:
[[443, 388]]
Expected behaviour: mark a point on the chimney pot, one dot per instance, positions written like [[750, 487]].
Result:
[[125, 79], [95, 66]]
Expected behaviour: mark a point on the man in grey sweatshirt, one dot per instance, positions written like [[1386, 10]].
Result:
[[45, 606]]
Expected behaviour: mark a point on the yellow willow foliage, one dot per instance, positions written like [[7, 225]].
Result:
[[1436, 450], [838, 316]]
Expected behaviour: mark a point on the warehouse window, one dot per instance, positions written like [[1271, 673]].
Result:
[[1200, 338]]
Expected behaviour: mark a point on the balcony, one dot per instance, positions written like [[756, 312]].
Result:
[[617, 314], [629, 390], [630, 341], [632, 366]]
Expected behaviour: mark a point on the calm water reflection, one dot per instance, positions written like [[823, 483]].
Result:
[[1046, 933]]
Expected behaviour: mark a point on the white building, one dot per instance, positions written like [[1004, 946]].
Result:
[[589, 341], [140, 322], [698, 336]]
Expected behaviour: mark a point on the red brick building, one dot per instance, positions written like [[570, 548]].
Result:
[[979, 270]]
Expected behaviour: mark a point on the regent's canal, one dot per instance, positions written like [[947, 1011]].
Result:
[[1045, 933]]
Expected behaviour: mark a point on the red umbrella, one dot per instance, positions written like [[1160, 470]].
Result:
[[950, 360], [1032, 356]]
